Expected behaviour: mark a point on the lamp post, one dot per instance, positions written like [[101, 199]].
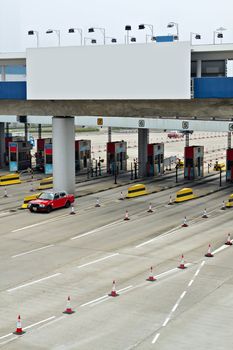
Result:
[[128, 29], [176, 25], [113, 40], [79, 30], [131, 39], [102, 30], [93, 41], [36, 33], [57, 32], [219, 33], [150, 26], [195, 36], [152, 38]]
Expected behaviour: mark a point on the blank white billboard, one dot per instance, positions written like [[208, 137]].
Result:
[[136, 71]]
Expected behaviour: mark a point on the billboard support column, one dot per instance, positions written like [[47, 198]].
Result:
[[143, 138]]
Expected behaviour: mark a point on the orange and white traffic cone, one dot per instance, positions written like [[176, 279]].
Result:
[[185, 224], [113, 291], [204, 215], [97, 203], [182, 265], [121, 197], [170, 201], [228, 242], [19, 329], [151, 277], [32, 188], [68, 309], [150, 210], [126, 218], [223, 207], [72, 209], [5, 193], [209, 254]]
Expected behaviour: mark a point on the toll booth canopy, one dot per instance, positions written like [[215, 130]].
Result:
[[116, 157]]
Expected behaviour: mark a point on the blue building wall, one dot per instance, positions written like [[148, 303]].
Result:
[[13, 90], [219, 87]]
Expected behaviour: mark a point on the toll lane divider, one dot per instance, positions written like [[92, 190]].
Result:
[[9, 179]]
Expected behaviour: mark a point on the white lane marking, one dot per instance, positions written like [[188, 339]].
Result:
[[220, 249], [33, 282], [5, 336], [96, 261], [39, 223], [95, 230], [165, 234], [51, 322], [166, 272], [155, 338], [183, 294], [175, 307], [9, 340], [43, 321], [166, 321], [32, 251], [197, 272], [124, 289], [190, 283], [203, 262], [93, 301]]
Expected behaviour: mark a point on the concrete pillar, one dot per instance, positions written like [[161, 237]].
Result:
[[39, 131], [198, 72], [143, 139], [109, 134], [187, 139], [2, 144], [229, 140], [3, 73], [64, 154]]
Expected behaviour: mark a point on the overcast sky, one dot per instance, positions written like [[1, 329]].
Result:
[[19, 16]]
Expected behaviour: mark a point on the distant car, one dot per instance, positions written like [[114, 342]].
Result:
[[175, 135], [47, 201]]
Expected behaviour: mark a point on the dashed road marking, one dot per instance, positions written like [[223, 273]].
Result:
[[32, 251], [98, 260], [156, 338], [33, 282]]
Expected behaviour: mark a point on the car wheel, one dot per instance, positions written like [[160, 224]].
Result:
[[67, 205], [49, 209], [31, 210]]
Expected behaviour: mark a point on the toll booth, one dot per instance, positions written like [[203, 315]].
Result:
[[19, 155], [40, 154], [48, 158], [229, 164], [193, 162], [9, 138], [116, 157], [155, 159], [82, 154]]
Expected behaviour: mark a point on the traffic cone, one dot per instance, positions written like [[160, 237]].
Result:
[[5, 193], [32, 188], [68, 309], [121, 197], [182, 266], [209, 254], [150, 210], [97, 203], [223, 207], [19, 329], [72, 210], [151, 277], [113, 291], [204, 215], [228, 242], [170, 201], [126, 218], [185, 222]]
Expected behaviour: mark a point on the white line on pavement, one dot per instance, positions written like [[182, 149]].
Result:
[[124, 289], [95, 230], [183, 294], [197, 272], [203, 262], [190, 283], [33, 282], [165, 234], [39, 223], [93, 301], [175, 307], [9, 340], [166, 321], [155, 338], [96, 261], [43, 321], [5, 336], [220, 249], [32, 251]]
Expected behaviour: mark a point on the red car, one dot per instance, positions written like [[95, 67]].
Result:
[[47, 201]]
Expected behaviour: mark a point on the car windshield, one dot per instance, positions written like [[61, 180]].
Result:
[[48, 196]]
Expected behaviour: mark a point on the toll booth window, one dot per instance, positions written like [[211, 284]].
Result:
[[49, 159], [13, 157], [189, 162], [161, 158], [56, 196], [229, 164], [62, 194]]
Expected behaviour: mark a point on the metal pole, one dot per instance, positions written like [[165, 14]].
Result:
[[109, 134], [115, 173], [131, 170], [220, 177], [39, 131], [176, 173], [229, 140]]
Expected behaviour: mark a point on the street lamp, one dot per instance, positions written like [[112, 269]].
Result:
[[113, 40], [128, 29], [174, 24], [92, 30], [93, 41], [35, 32], [131, 39], [219, 33], [79, 30], [195, 35], [152, 38], [50, 31], [150, 26]]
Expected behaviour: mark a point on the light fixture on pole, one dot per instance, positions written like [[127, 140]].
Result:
[[36, 33], [195, 36], [152, 38], [102, 30], [128, 29], [57, 31], [219, 33], [93, 41], [113, 40], [79, 30], [150, 26], [176, 25]]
